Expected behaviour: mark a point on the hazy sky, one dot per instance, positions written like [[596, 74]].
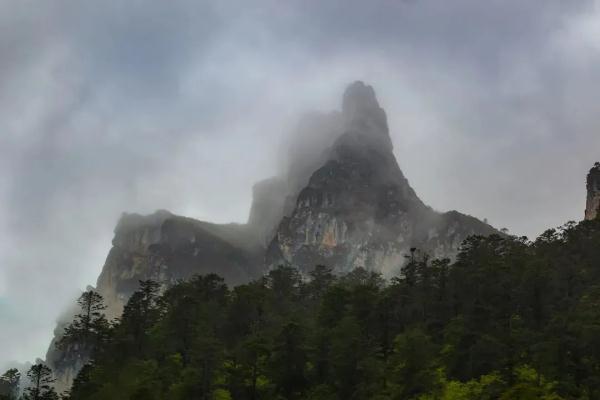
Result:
[[111, 106]]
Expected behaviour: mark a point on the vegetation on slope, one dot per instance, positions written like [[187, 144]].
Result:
[[510, 319]]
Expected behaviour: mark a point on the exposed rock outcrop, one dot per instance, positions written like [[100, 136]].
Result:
[[165, 247], [592, 206], [358, 209], [269, 198]]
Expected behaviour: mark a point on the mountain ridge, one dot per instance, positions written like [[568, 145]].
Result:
[[343, 202]]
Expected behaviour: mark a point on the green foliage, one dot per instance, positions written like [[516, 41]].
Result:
[[89, 328], [9, 384], [413, 364], [41, 384], [509, 319], [487, 387]]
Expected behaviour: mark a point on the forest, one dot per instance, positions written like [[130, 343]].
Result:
[[510, 318]]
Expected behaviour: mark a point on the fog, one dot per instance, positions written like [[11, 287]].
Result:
[[134, 106]]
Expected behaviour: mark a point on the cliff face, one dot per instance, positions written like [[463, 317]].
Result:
[[358, 209], [269, 197], [165, 247], [592, 207]]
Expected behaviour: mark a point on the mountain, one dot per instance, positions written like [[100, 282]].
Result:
[[342, 201], [358, 209]]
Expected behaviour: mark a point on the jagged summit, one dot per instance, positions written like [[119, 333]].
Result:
[[359, 97], [592, 208], [358, 209], [133, 221], [365, 122]]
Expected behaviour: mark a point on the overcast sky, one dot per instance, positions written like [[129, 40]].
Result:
[[111, 106]]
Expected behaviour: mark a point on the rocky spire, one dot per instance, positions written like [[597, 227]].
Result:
[[359, 97], [592, 208], [364, 117], [358, 209]]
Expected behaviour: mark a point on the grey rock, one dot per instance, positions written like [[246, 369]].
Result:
[[358, 209], [592, 206], [166, 248]]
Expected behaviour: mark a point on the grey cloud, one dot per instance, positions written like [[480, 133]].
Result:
[[133, 106]]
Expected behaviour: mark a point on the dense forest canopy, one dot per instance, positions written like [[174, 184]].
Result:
[[509, 319]]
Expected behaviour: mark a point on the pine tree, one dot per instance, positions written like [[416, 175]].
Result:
[[288, 361], [90, 327], [321, 278], [141, 313], [9, 384], [40, 387], [409, 270], [413, 364]]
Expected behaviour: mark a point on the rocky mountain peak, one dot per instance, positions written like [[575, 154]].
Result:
[[359, 97], [365, 122], [592, 209], [358, 209], [139, 231]]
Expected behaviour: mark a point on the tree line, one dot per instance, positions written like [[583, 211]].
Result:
[[509, 319]]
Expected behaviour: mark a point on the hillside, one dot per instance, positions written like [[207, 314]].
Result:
[[509, 319]]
